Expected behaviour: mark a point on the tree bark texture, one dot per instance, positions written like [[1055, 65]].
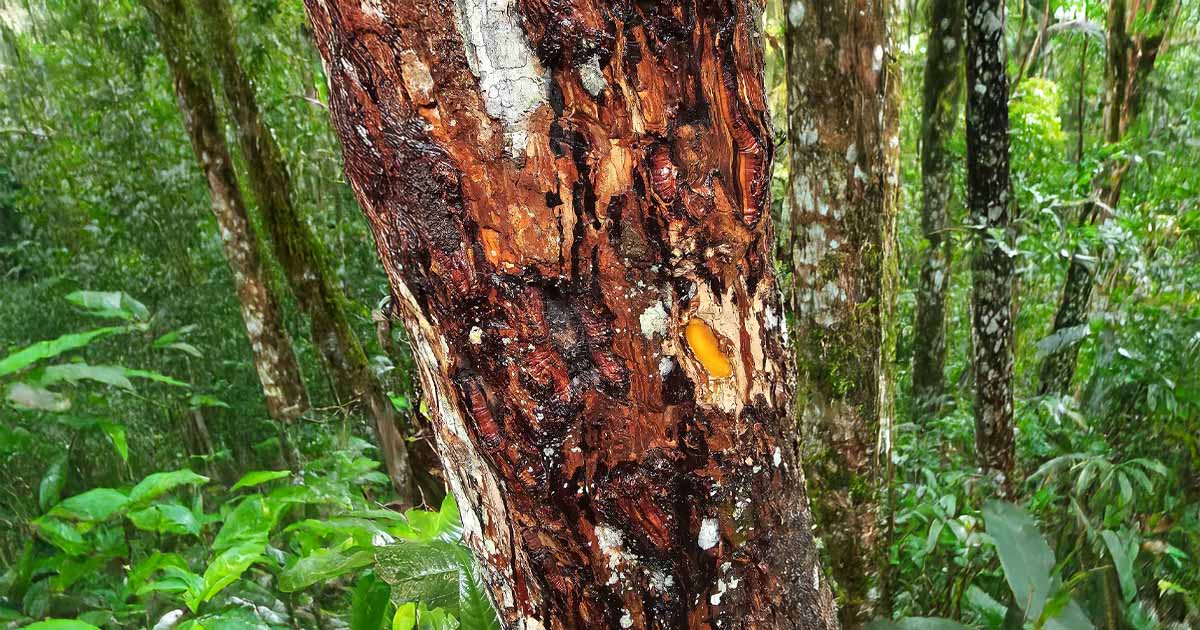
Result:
[[301, 253], [942, 105], [274, 358], [570, 201], [1129, 61], [843, 125], [989, 197]]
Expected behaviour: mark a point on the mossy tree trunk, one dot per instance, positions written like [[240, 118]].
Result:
[[1132, 51], [301, 254], [941, 108], [570, 201], [274, 359], [842, 123], [989, 192]]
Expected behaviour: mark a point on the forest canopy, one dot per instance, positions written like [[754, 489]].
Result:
[[599, 314]]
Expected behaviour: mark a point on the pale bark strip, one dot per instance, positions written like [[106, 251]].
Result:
[[842, 119], [301, 254], [274, 359], [569, 200], [989, 198], [943, 93], [1128, 64]]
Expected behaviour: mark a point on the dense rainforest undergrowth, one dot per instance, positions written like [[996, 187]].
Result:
[[168, 464]]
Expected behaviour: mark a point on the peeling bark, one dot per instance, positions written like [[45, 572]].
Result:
[[274, 359], [569, 200], [302, 255], [943, 93], [1128, 65], [989, 191], [843, 126]]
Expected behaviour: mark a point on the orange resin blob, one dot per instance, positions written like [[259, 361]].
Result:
[[707, 349]]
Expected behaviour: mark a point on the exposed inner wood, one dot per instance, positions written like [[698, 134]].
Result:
[[568, 198]]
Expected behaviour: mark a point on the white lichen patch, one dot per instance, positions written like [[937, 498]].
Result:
[[655, 320], [709, 534], [592, 76], [513, 81]]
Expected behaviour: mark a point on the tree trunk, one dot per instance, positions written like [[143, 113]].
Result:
[[939, 118], [842, 125], [274, 359], [570, 201], [989, 197], [302, 255], [1129, 61]]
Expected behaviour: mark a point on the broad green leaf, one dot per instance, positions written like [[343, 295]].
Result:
[[259, 477], [426, 526], [140, 572], [911, 623], [990, 610], [232, 619], [177, 580], [427, 572], [156, 377], [158, 484], [226, 568], [1123, 558], [94, 505], [369, 605], [405, 618], [322, 565], [116, 435], [198, 401], [435, 619], [110, 304], [250, 522], [113, 375], [166, 518], [61, 624], [1026, 558], [50, 489], [52, 348], [61, 534], [34, 398], [475, 607]]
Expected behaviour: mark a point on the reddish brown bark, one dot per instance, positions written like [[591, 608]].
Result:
[[570, 209], [842, 120], [274, 359], [302, 254]]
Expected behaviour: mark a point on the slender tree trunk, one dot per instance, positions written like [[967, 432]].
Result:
[[842, 124], [1130, 58], [570, 201], [301, 254], [274, 359], [989, 197], [939, 118]]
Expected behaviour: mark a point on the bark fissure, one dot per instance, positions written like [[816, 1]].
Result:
[[609, 471]]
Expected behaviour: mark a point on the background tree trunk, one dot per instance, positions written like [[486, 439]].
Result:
[[842, 123], [302, 255], [569, 199], [1128, 64], [939, 117], [989, 194], [274, 359]]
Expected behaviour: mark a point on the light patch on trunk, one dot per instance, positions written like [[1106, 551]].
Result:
[[709, 534], [513, 82]]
